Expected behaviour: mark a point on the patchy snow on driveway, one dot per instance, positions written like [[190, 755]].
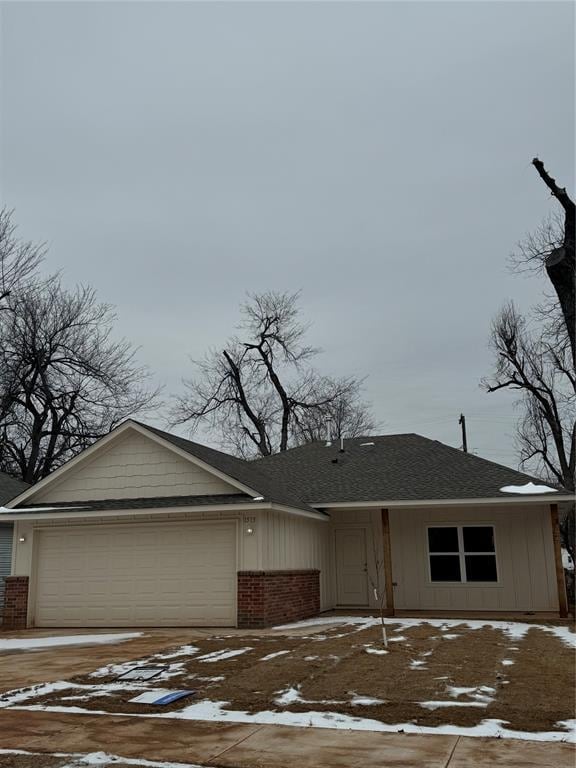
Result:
[[39, 643]]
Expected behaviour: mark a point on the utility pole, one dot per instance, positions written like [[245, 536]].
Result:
[[462, 422]]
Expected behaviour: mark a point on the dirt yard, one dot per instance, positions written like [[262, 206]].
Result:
[[432, 675]]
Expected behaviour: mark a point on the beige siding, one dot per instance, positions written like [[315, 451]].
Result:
[[134, 466], [291, 541], [524, 553]]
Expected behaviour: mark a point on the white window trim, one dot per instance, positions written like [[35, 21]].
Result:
[[462, 555]]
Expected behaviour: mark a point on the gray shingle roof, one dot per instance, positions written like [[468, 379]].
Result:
[[155, 502], [394, 467], [10, 487]]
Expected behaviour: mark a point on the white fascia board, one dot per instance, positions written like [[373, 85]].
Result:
[[302, 512], [88, 514], [547, 498]]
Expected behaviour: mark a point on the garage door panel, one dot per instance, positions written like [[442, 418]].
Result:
[[177, 574]]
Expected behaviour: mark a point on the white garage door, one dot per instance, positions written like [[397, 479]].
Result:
[[139, 575]]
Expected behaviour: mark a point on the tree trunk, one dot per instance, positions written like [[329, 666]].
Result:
[[561, 264]]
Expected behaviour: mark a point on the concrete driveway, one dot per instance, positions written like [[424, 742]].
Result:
[[226, 745]]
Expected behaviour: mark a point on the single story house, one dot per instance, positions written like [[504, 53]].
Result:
[[145, 528]]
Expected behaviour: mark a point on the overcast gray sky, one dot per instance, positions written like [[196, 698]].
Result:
[[375, 155]]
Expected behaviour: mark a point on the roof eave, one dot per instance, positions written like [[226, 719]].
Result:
[[85, 513], [547, 498]]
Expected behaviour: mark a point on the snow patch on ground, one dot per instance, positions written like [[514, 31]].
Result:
[[507, 662], [376, 651], [289, 696], [37, 643], [10, 698], [274, 655], [365, 701], [416, 664], [438, 704], [320, 620], [481, 692], [212, 711], [184, 650], [82, 692], [514, 630], [292, 695], [154, 660], [76, 760], [221, 655]]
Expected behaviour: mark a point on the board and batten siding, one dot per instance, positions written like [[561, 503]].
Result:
[[524, 552], [294, 542], [134, 466]]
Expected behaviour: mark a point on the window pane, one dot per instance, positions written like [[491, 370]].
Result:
[[445, 568], [444, 539], [478, 538], [481, 568]]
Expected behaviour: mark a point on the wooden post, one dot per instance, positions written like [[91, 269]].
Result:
[[560, 579], [389, 586]]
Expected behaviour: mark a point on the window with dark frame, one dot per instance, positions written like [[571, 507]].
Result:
[[462, 553]]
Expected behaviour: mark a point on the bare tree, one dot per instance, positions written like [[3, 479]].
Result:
[[65, 381], [541, 372], [377, 585], [538, 359], [551, 249], [18, 259], [345, 416], [261, 390]]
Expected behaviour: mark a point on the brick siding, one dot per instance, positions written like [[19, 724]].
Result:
[[15, 602], [266, 598]]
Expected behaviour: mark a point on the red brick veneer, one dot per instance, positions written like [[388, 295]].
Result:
[[15, 602], [266, 598]]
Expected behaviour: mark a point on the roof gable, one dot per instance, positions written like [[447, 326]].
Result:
[[131, 462]]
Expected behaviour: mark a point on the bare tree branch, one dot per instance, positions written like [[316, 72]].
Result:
[[261, 394], [64, 381], [18, 259]]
